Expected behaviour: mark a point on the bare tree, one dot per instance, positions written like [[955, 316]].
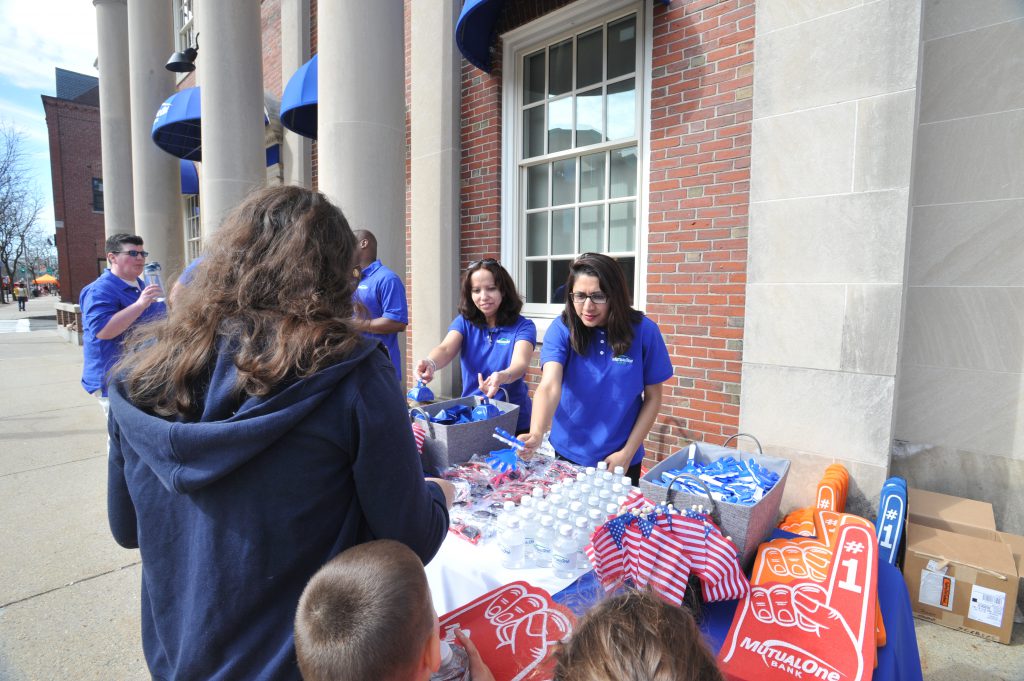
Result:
[[20, 203]]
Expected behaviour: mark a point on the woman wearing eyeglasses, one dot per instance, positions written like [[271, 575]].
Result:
[[496, 341], [603, 364]]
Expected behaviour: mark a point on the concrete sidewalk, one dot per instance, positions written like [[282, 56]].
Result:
[[69, 596]]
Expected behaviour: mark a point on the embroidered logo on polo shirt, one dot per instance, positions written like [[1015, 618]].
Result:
[[622, 359], [503, 341]]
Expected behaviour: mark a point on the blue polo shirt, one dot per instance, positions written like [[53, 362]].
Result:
[[100, 301], [382, 293], [601, 393], [485, 351]]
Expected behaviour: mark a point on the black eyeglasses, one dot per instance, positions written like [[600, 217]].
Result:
[[134, 254], [597, 298], [477, 263]]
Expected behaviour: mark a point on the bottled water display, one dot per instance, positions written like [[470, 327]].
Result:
[[544, 542], [511, 543], [563, 553]]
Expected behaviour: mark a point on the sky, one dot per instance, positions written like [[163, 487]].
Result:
[[37, 36]]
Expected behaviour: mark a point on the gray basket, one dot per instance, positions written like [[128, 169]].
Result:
[[446, 446], [747, 525]]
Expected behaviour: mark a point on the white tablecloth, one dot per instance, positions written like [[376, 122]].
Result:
[[461, 572]]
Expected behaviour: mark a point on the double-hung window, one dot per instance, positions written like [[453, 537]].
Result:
[[573, 147]]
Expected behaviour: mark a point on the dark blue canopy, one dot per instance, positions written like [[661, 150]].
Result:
[[475, 30], [189, 177], [298, 104], [176, 127]]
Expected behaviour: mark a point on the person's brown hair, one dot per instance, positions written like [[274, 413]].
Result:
[[636, 636], [275, 285], [621, 315], [366, 614], [511, 302]]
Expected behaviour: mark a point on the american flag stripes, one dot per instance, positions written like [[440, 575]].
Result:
[[660, 547]]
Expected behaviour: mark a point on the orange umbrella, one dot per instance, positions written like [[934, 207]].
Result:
[[45, 279]]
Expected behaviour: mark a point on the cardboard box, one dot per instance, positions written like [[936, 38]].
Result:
[[960, 581], [952, 514]]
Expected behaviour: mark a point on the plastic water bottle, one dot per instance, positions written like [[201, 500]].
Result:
[[591, 471], [582, 535], [619, 471], [544, 542], [602, 466], [562, 516], [563, 554], [595, 518], [511, 543], [454, 664], [151, 275], [537, 493], [528, 523], [576, 509]]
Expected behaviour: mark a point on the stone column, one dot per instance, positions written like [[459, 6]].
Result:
[[296, 150], [155, 173], [361, 118], [435, 157], [231, 61], [115, 116]]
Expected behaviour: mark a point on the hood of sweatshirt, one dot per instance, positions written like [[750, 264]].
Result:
[[188, 455]]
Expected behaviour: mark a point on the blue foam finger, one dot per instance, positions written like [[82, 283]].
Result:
[[892, 511]]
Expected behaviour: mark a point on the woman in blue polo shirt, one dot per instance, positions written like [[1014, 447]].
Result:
[[603, 364], [495, 340]]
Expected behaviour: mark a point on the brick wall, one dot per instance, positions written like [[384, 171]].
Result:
[[697, 209], [270, 20], [75, 158]]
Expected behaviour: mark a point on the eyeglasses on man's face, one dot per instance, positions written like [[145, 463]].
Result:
[[133, 254], [597, 298]]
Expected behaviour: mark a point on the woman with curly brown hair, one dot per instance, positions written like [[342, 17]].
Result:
[[255, 435]]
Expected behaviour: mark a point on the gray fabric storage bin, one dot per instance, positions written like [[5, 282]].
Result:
[[747, 525], [446, 446]]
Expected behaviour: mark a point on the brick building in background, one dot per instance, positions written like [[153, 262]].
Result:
[[806, 197], [73, 121]]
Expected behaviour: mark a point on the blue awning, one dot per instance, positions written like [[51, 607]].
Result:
[[176, 125], [177, 129], [474, 31], [299, 102], [189, 177]]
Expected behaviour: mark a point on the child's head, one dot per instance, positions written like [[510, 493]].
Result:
[[367, 614], [636, 636]]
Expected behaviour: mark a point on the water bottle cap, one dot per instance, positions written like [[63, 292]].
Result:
[[611, 509], [594, 514], [562, 513], [526, 502], [152, 267], [581, 522], [602, 465], [626, 481], [537, 493], [620, 471], [576, 507], [513, 523], [565, 530], [591, 470], [580, 477], [547, 521], [510, 506]]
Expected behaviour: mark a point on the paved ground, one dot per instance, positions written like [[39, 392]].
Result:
[[69, 596]]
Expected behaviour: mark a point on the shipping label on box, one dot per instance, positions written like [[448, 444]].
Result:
[[962, 582]]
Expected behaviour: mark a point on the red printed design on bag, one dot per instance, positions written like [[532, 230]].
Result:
[[806, 630], [514, 628]]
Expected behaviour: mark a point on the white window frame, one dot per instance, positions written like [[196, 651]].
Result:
[[516, 44], [192, 226], [184, 31]]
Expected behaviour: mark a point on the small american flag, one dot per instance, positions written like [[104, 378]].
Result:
[[418, 434], [661, 548]]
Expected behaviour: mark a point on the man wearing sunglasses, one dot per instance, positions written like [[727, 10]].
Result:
[[110, 306]]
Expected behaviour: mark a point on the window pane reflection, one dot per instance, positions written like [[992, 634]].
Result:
[[537, 233], [560, 125], [622, 47], [588, 58], [588, 118], [621, 109], [537, 186], [563, 182], [592, 177], [560, 69], [533, 78], [561, 231], [533, 132], [623, 172], [537, 281], [591, 228], [621, 226]]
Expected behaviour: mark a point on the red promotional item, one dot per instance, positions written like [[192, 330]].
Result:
[[514, 628], [806, 630]]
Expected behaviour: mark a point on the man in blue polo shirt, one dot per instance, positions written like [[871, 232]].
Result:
[[382, 293], [110, 306]]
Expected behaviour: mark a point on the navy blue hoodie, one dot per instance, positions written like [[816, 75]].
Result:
[[235, 511]]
